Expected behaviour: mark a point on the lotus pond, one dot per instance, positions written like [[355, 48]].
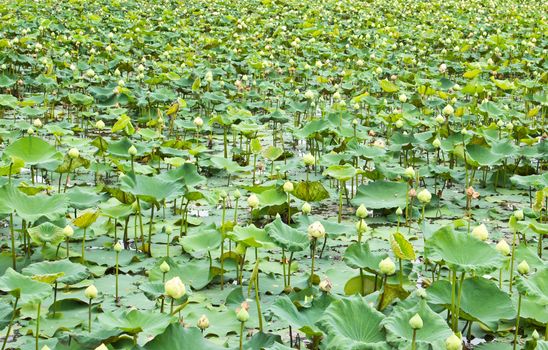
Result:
[[245, 174]]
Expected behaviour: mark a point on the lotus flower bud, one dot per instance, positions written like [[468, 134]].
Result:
[[440, 119], [519, 214], [132, 151], [409, 172], [402, 98], [416, 322], [169, 230], [241, 314], [164, 267], [436, 143], [288, 187], [100, 125], [199, 122], [399, 211], [90, 73], [361, 212], [74, 153], [237, 194], [480, 232], [326, 285], [203, 322], [309, 159], [101, 347], [37, 123], [448, 110], [68, 231], [223, 194], [535, 335], [387, 266], [442, 68], [209, 76], [91, 292], [174, 288], [503, 247], [421, 292], [453, 342], [45, 347], [399, 123], [309, 95], [253, 201], [500, 123], [30, 131], [378, 70], [118, 247], [316, 230], [361, 226], [509, 126], [424, 196], [523, 268], [306, 208]]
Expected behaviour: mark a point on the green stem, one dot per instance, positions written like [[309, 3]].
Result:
[[89, 315], [11, 323], [258, 302], [512, 260], [517, 323], [241, 335], [38, 324], [84, 246], [12, 234], [117, 296], [413, 341], [381, 299], [310, 282], [340, 201], [150, 230]]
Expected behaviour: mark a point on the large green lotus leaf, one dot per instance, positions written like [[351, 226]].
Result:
[[46, 233], [23, 287], [6, 311], [536, 181], [287, 237], [147, 323], [463, 252], [482, 155], [402, 248], [116, 210], [340, 172], [84, 197], [120, 148], [491, 108], [251, 236], [176, 337], [147, 187], [79, 98], [481, 300], [359, 255], [304, 319], [195, 273], [152, 290], [310, 191], [33, 150], [8, 101], [273, 196], [262, 340], [532, 308], [188, 173], [68, 272], [6, 82], [535, 285], [227, 164], [381, 195], [201, 240], [352, 324], [32, 208], [433, 333]]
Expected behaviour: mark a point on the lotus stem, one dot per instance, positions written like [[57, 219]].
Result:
[[140, 218], [116, 262], [84, 246], [313, 255], [11, 323], [289, 270], [68, 248], [517, 323], [68, 176], [12, 234], [257, 300], [241, 335], [413, 341], [381, 299], [288, 208], [54, 298], [223, 244], [89, 315], [150, 230], [37, 335], [171, 307], [340, 201], [283, 268], [512, 259]]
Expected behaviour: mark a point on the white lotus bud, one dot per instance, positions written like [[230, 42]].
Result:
[[253, 201], [503, 247], [174, 288], [91, 292], [387, 266], [453, 342], [37, 123], [480, 232], [523, 268], [309, 159], [101, 347], [399, 211], [316, 230], [164, 267], [309, 95], [424, 196], [203, 322], [198, 122], [132, 151], [74, 153], [68, 231], [306, 208], [416, 322], [399, 123], [100, 125], [448, 110], [518, 214], [403, 98], [288, 187], [361, 212], [440, 119], [409, 172], [436, 143], [325, 285]]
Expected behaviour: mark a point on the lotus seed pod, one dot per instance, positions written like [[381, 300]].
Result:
[[361, 212], [288, 187], [523, 268], [387, 266], [164, 267], [416, 322], [118, 247], [174, 288], [306, 208], [453, 342], [480, 232], [316, 230], [68, 231], [73, 153], [132, 151], [91, 292], [503, 247], [326, 285], [253, 201], [424, 196], [203, 322], [308, 159]]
